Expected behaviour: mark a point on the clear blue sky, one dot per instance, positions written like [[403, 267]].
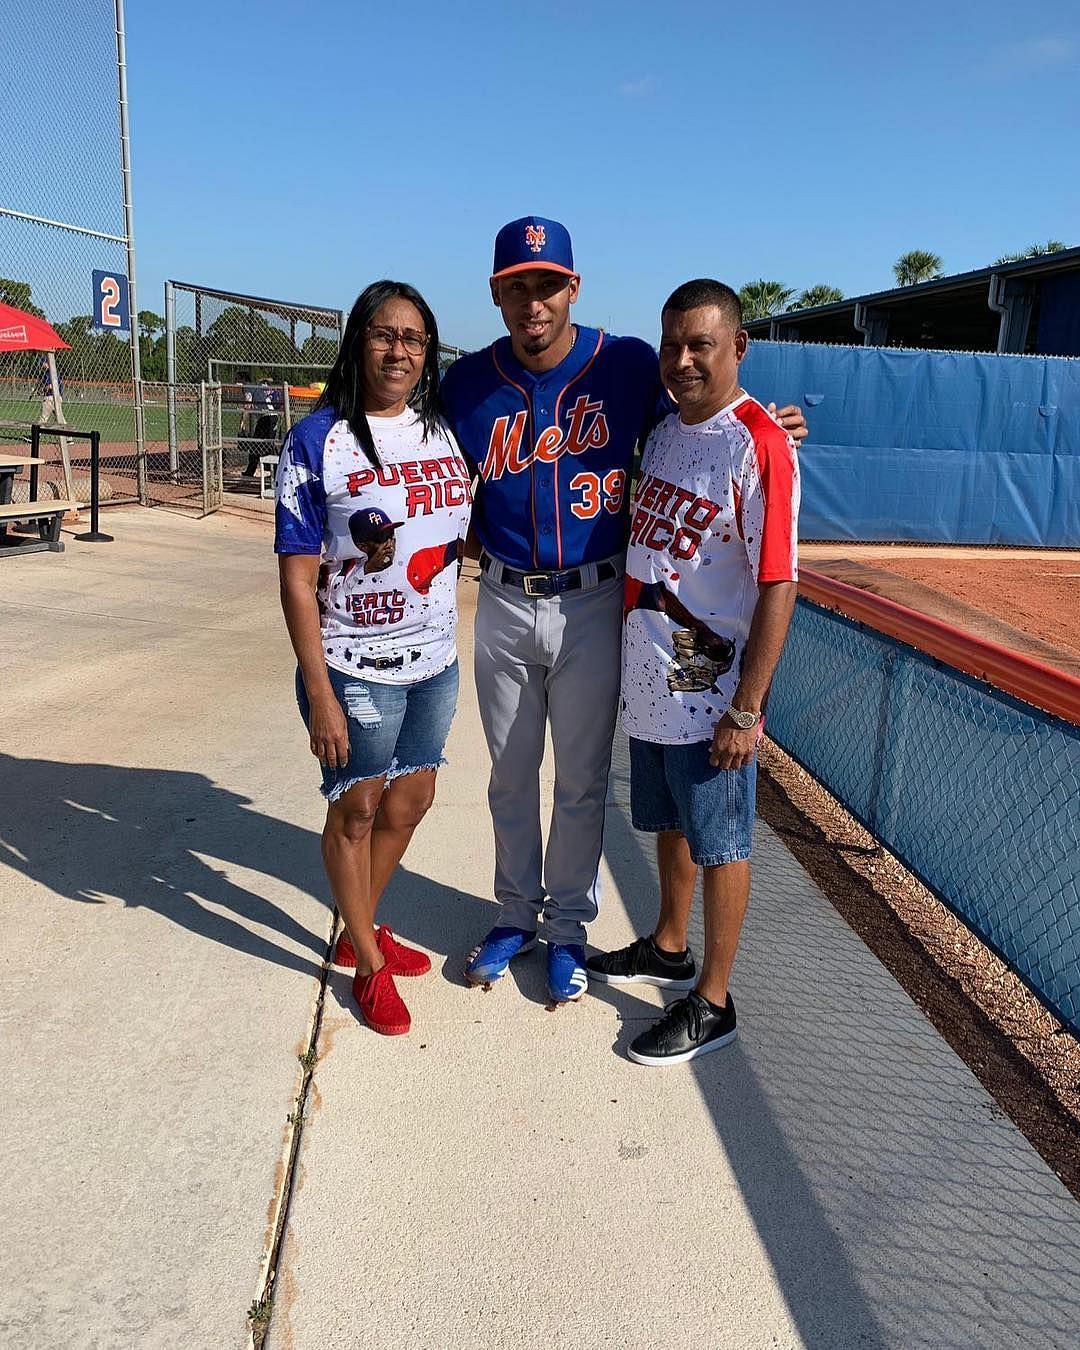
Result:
[[302, 150]]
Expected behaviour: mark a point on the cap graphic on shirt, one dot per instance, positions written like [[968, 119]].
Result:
[[369, 525]]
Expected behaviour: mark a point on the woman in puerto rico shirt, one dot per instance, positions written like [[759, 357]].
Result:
[[373, 504]]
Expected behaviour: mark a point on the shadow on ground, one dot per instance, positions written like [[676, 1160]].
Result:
[[161, 840], [896, 1204]]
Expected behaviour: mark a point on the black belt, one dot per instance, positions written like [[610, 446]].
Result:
[[541, 584], [386, 662]]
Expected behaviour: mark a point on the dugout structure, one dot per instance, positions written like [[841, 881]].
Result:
[[240, 371], [233, 342]]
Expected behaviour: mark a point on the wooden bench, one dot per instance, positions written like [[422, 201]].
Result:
[[47, 517]]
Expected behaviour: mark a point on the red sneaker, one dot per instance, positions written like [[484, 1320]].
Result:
[[344, 951], [380, 1003], [405, 960]]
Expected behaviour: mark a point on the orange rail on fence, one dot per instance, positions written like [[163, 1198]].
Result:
[[1052, 690]]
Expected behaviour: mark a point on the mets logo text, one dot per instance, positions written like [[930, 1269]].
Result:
[[535, 237], [505, 454]]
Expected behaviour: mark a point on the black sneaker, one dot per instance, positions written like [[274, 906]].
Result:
[[642, 963], [688, 1028]]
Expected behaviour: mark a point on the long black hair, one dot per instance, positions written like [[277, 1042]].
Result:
[[344, 391]]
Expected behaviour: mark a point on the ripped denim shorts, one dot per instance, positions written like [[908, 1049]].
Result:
[[394, 729]]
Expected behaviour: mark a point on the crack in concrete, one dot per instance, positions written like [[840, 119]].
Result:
[[287, 1174]]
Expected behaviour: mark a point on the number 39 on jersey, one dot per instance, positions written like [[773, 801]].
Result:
[[591, 493]]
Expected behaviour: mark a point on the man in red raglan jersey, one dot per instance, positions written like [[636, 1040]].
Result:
[[711, 576]]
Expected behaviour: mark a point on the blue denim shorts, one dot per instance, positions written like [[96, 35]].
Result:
[[674, 787], [394, 729]]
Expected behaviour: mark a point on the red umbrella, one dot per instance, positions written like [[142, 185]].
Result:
[[22, 332]]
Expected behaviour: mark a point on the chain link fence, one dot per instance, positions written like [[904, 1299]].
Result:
[[63, 229], [66, 255], [973, 790], [267, 357]]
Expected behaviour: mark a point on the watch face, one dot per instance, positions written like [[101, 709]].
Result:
[[746, 720]]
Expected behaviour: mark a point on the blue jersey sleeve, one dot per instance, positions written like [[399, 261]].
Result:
[[300, 515], [658, 402], [450, 393]]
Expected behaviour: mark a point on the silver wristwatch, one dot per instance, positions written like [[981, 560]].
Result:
[[744, 720]]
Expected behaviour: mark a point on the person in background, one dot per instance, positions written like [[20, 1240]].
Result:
[[243, 431], [264, 402], [49, 410]]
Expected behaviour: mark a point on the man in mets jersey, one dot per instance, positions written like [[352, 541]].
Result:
[[550, 417]]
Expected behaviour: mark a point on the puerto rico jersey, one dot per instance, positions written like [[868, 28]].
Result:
[[388, 606], [716, 513], [554, 451]]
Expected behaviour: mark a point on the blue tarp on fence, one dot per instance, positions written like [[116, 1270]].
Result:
[[932, 447], [974, 791]]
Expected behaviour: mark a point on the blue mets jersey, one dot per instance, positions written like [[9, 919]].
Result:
[[554, 450]]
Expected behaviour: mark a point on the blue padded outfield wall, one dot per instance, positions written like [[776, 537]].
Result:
[[974, 791], [932, 447]]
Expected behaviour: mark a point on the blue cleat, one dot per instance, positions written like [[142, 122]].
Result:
[[491, 960], [566, 974]]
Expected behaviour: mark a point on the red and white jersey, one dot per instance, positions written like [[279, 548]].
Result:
[[716, 512]]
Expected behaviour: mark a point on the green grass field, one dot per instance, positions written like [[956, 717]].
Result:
[[115, 421]]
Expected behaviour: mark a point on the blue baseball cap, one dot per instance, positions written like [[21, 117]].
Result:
[[370, 525], [533, 243]]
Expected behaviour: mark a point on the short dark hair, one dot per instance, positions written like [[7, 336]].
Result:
[[704, 291], [344, 391]]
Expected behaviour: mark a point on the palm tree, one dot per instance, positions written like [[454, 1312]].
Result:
[[150, 324], [918, 265], [1035, 251], [762, 298], [817, 295]]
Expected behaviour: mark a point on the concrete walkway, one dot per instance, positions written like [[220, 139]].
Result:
[[162, 932], [501, 1177]]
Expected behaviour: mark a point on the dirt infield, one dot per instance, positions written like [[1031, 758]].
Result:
[[1025, 600]]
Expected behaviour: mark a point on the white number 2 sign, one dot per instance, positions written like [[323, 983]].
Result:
[[111, 302]]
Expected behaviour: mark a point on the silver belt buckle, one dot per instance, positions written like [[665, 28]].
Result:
[[386, 663], [533, 580]]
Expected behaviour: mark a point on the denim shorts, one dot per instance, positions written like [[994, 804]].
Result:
[[394, 729], [674, 787]]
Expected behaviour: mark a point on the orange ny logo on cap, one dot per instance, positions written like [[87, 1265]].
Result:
[[535, 237]]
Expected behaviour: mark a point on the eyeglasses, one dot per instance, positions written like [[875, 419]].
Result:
[[383, 339]]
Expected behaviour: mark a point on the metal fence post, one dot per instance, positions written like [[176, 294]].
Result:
[[170, 373], [201, 423], [129, 232]]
